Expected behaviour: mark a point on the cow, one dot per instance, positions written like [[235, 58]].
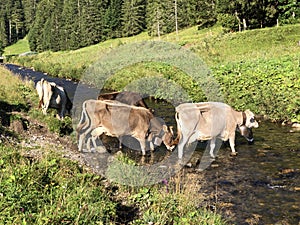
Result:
[[127, 97], [117, 119], [209, 121], [54, 96]]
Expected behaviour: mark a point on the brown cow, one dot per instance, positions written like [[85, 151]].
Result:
[[54, 96], [209, 121], [117, 119]]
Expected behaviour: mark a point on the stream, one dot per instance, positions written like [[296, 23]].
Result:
[[261, 185]]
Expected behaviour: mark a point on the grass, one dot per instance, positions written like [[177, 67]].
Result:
[[20, 47], [211, 44]]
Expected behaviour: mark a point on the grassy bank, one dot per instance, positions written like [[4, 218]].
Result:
[[257, 69], [39, 185]]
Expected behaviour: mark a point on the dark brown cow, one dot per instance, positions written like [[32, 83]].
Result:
[[127, 97], [211, 120], [116, 119]]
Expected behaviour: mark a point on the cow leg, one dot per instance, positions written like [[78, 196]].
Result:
[[46, 100], [151, 146], [80, 141], [181, 145], [143, 146], [120, 142], [63, 109], [212, 147], [232, 144], [60, 114], [44, 109]]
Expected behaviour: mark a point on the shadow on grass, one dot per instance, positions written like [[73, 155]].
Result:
[[6, 117]]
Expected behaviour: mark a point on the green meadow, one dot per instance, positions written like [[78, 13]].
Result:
[[256, 69]]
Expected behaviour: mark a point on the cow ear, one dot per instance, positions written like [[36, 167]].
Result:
[[248, 112], [171, 129]]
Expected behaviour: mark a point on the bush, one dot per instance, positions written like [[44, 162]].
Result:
[[228, 21], [268, 87]]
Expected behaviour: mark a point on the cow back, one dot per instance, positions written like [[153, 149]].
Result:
[[127, 97]]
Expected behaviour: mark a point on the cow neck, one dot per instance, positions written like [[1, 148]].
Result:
[[244, 118], [160, 134]]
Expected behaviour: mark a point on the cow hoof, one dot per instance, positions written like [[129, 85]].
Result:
[[233, 154], [101, 149], [199, 170]]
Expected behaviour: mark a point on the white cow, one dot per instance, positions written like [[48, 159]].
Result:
[[54, 96], [209, 121]]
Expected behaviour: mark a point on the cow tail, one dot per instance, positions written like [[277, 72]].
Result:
[[176, 140], [41, 93], [83, 123]]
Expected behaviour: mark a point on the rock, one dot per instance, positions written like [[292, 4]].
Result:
[[296, 125], [17, 126]]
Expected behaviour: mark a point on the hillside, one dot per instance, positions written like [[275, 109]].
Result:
[[244, 63], [211, 44]]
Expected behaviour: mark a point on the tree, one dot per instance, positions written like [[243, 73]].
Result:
[[29, 8], [38, 34], [160, 17], [113, 19], [93, 22], [133, 19], [289, 11], [69, 24], [1, 48], [3, 31], [16, 20]]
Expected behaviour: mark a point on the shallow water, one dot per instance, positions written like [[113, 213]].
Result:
[[259, 186]]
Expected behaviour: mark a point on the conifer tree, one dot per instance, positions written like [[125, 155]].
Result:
[[3, 31], [112, 19], [29, 7], [133, 17], [93, 22], [69, 24], [160, 17]]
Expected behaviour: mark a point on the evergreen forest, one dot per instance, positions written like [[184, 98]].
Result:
[[67, 25]]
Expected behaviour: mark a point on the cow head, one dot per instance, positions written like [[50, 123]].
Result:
[[247, 133], [167, 137], [250, 120]]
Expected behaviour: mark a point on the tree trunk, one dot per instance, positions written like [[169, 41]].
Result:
[[176, 19], [10, 36], [239, 21], [244, 24]]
